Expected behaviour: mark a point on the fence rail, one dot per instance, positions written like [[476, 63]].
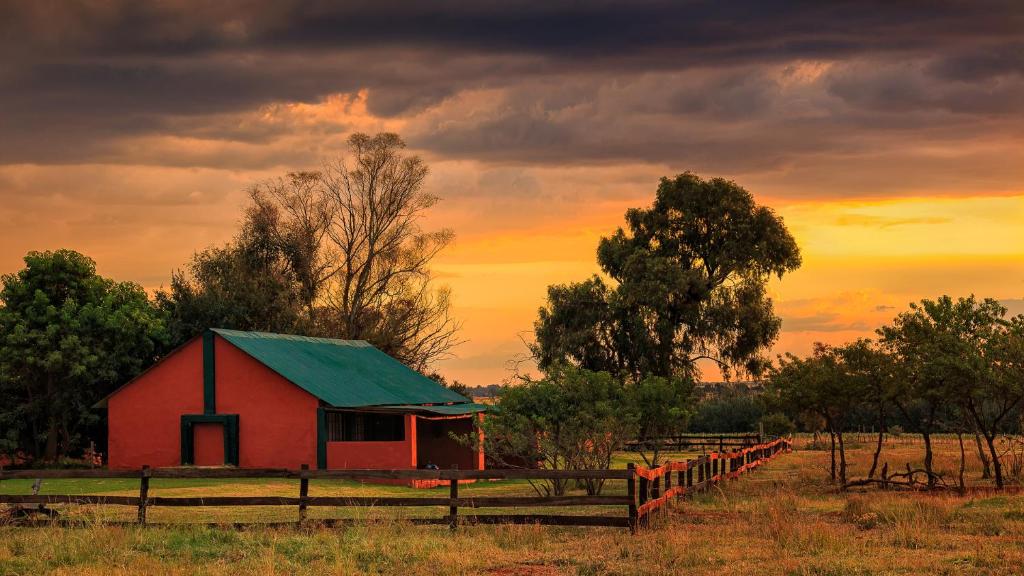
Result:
[[647, 489], [680, 442]]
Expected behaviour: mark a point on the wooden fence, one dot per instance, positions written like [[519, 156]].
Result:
[[682, 442], [647, 489]]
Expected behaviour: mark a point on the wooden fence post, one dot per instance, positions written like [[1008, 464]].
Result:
[[689, 472], [303, 492], [453, 507], [143, 492], [631, 494]]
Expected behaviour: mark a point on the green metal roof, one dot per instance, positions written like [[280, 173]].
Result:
[[342, 373]]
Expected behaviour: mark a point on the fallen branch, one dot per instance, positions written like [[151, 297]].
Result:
[[907, 479]]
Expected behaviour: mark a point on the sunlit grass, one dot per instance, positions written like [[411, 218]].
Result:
[[783, 519]]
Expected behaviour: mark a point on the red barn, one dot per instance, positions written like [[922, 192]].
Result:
[[258, 400]]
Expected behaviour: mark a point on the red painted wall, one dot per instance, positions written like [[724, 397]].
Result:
[[276, 419], [209, 444], [375, 454], [145, 416]]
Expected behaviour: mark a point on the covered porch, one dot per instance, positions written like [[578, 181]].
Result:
[[401, 437]]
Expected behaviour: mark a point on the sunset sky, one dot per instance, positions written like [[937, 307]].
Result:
[[889, 135]]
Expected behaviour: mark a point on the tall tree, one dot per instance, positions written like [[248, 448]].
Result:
[[689, 281], [940, 349], [660, 407], [292, 217], [825, 385], [244, 285], [382, 290], [996, 389], [338, 253], [68, 337], [871, 373]]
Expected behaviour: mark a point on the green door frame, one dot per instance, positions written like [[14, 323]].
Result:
[[230, 423]]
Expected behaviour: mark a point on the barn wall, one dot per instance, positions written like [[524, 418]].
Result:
[[276, 419], [341, 455], [145, 416]]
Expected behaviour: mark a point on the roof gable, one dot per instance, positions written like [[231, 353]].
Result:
[[342, 373]]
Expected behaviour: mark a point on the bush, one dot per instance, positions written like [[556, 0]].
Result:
[[777, 424], [729, 413]]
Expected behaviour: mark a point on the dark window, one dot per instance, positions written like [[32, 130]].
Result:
[[365, 427]]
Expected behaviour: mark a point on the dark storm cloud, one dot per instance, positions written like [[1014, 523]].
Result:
[[763, 29], [982, 64], [589, 81]]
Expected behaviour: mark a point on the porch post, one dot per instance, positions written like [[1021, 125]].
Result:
[[410, 439], [321, 438]]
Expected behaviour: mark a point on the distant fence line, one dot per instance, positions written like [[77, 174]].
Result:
[[647, 489], [680, 442], [888, 439]]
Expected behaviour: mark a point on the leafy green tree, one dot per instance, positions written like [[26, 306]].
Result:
[[777, 424], [995, 390], [940, 351], [571, 419], [689, 281], [823, 385], [872, 372], [243, 286], [658, 407], [732, 411], [68, 337]]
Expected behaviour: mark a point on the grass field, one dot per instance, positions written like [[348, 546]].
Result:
[[783, 519]]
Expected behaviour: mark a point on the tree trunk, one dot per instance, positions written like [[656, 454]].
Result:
[[963, 459], [878, 445], [842, 459], [52, 432], [832, 438], [928, 459], [986, 462], [997, 466]]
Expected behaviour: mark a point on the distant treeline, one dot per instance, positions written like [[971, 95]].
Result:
[[742, 407]]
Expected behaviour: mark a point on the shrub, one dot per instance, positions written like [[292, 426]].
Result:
[[777, 424]]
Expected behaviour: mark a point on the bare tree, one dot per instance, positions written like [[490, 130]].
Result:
[[383, 291], [352, 237], [294, 215]]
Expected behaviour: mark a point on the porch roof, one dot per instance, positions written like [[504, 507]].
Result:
[[443, 409]]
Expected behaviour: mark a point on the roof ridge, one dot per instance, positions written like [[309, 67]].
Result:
[[293, 337]]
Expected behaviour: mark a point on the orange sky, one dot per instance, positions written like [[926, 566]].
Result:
[[893, 146]]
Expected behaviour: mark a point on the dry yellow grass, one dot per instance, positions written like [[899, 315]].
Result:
[[784, 519]]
